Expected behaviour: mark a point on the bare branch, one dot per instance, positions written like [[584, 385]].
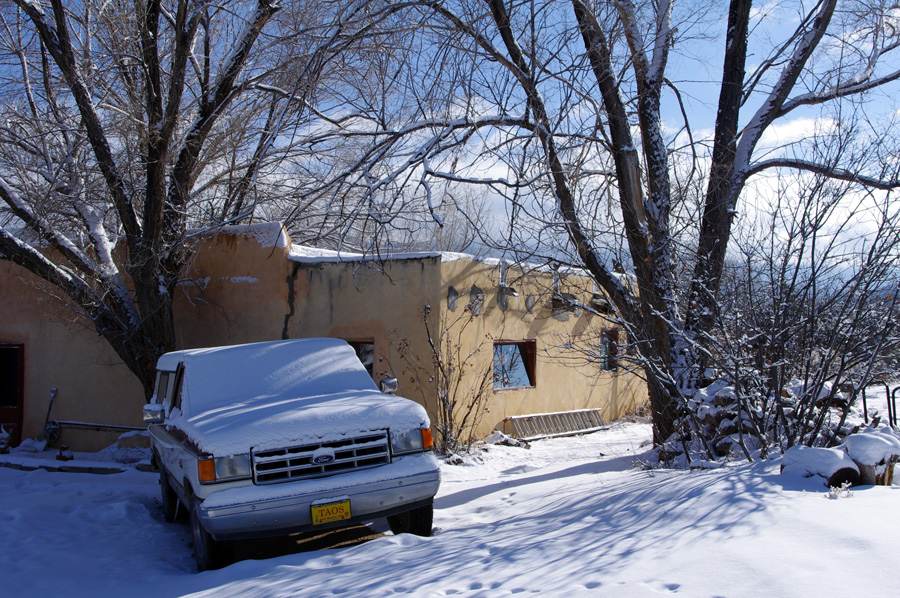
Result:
[[825, 170]]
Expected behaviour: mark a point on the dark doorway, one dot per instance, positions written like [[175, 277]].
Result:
[[12, 368]]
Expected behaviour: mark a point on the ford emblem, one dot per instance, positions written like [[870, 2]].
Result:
[[323, 456]]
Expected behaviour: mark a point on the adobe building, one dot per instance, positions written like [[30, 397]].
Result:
[[474, 341]]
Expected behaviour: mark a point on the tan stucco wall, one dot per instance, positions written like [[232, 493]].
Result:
[[564, 379], [64, 351], [360, 302], [234, 291]]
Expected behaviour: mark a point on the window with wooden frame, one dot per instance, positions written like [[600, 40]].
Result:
[[514, 364], [608, 349]]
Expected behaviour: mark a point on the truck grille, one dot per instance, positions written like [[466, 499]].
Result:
[[296, 463]]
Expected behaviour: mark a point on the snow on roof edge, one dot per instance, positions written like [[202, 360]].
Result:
[[306, 254], [315, 255], [273, 234], [267, 234]]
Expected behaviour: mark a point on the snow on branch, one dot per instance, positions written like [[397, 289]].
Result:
[[31, 259], [648, 73], [828, 171], [107, 270], [43, 228], [771, 107], [856, 85], [56, 39], [104, 271]]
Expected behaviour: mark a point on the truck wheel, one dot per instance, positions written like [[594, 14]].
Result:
[[169, 498], [417, 521], [209, 553]]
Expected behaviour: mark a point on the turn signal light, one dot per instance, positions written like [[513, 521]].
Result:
[[427, 440], [206, 470]]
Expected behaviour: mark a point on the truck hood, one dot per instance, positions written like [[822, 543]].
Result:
[[277, 421]]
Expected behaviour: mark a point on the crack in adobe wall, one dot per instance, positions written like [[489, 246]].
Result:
[[291, 298]]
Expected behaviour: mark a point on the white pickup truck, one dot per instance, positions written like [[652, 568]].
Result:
[[288, 436]]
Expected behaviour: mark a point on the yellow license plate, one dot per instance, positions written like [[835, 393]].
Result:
[[333, 511]]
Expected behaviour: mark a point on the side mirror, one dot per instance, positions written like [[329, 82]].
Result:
[[154, 413], [389, 386]]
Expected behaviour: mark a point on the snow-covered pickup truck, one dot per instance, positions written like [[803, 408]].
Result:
[[279, 437]]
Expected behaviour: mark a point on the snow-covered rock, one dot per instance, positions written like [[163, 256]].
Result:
[[822, 462], [872, 449], [864, 458], [498, 437]]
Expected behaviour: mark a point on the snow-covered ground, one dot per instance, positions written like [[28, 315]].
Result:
[[569, 517]]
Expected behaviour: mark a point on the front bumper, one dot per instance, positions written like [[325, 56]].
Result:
[[257, 511]]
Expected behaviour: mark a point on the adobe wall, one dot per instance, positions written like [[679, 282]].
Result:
[[233, 291], [235, 288], [565, 379], [244, 289], [242, 286], [378, 302], [64, 351]]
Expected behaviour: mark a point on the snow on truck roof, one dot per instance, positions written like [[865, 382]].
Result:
[[221, 375]]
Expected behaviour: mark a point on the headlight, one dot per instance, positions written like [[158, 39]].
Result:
[[410, 441], [222, 469]]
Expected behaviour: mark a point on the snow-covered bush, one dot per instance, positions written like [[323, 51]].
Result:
[[725, 419], [805, 319], [842, 491]]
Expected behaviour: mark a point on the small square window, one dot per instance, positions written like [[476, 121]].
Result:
[[608, 349], [514, 364]]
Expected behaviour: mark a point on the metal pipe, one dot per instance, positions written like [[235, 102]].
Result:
[[894, 401], [101, 427], [887, 399], [865, 407]]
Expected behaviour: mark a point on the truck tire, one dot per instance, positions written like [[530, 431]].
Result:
[[169, 497], [417, 521], [208, 552]]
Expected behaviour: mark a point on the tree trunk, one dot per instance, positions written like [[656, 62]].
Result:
[[663, 408]]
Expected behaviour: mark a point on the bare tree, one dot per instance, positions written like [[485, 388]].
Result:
[[127, 123], [463, 216], [812, 312], [559, 108]]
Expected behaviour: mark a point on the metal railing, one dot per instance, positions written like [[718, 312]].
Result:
[[890, 397]]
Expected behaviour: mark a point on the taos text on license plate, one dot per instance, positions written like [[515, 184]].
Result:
[[333, 511]]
